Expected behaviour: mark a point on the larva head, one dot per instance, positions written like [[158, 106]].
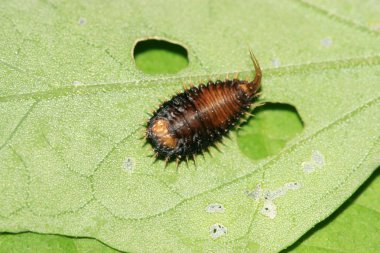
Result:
[[160, 135]]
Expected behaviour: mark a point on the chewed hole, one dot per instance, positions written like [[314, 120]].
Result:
[[160, 57], [268, 131]]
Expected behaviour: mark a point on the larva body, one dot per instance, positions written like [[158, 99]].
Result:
[[197, 118]]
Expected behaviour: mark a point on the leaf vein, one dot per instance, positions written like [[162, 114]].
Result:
[[95, 88], [336, 17], [269, 162], [23, 118]]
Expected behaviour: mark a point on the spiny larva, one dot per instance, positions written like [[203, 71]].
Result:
[[192, 121]]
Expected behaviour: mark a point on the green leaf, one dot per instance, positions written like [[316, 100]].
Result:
[[31, 242], [72, 102], [360, 214]]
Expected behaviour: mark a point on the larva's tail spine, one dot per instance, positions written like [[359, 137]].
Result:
[[255, 84]]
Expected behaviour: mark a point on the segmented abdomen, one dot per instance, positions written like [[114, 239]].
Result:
[[198, 117]]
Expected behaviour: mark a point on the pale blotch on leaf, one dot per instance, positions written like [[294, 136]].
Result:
[[82, 21], [271, 195], [128, 164], [76, 83], [375, 27], [256, 193], [215, 208], [217, 230], [269, 209], [292, 186], [276, 63], [308, 167], [318, 158], [326, 42]]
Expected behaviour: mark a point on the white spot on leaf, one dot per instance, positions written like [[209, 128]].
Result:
[[255, 194], [128, 164], [276, 63], [318, 158], [76, 83], [308, 167], [326, 42], [375, 27], [269, 209], [271, 195], [82, 21], [292, 186], [217, 230], [215, 208]]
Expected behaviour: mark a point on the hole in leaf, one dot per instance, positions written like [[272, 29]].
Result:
[[160, 57], [269, 130]]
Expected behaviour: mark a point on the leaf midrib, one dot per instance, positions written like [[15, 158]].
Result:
[[88, 89]]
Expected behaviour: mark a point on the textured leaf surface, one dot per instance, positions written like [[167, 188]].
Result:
[[71, 157], [361, 214], [31, 242]]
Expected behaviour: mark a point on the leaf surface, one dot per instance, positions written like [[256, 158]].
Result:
[[72, 104]]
